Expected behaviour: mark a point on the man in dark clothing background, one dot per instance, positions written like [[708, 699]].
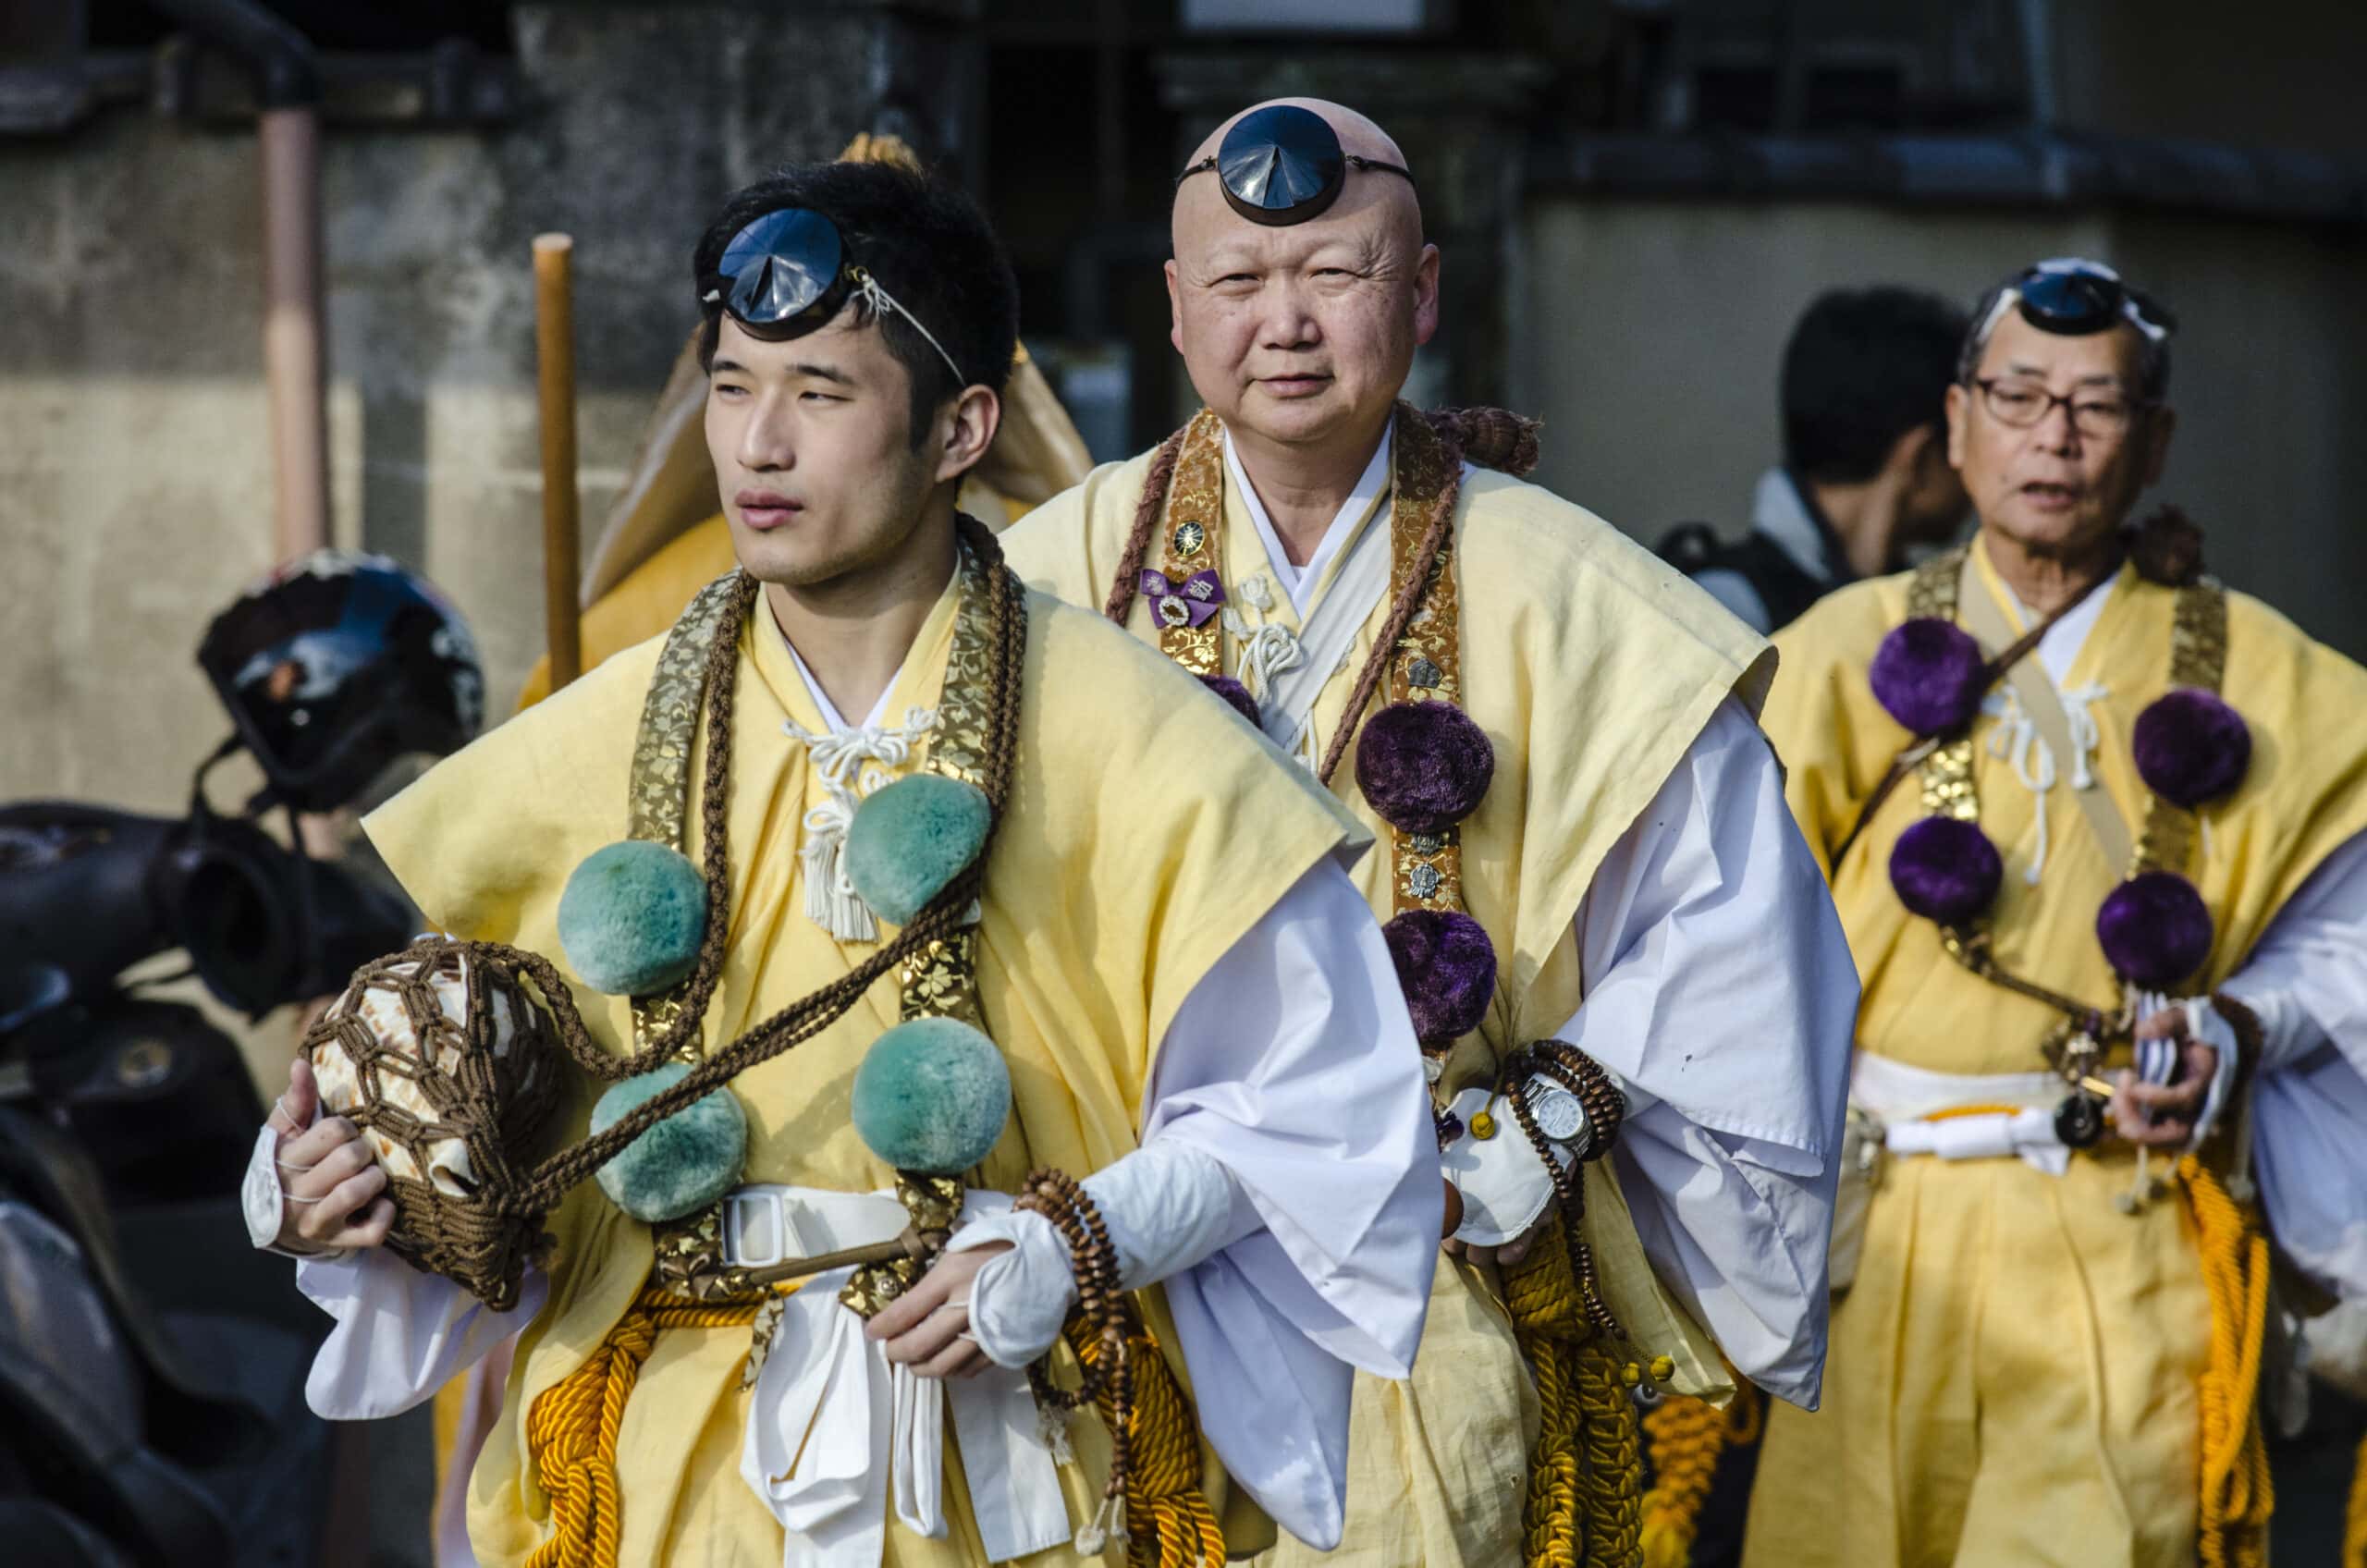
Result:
[[1865, 473]]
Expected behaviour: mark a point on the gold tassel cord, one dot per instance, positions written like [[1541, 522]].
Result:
[[572, 1428], [1169, 1522], [1686, 1438], [1584, 1475], [2236, 1495]]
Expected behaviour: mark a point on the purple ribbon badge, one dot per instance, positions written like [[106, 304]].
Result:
[[1191, 604]]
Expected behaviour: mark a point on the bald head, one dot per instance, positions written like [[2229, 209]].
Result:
[[1300, 335], [1359, 136]]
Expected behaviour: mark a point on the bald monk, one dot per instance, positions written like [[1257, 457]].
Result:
[[1633, 996]]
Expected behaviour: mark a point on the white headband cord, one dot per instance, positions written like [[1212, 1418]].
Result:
[[883, 302]]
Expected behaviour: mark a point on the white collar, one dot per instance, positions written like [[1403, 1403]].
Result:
[[1299, 582], [1780, 511], [832, 719], [2060, 643]]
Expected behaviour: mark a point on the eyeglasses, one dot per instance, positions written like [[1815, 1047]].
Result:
[[786, 274], [1282, 165], [2100, 416]]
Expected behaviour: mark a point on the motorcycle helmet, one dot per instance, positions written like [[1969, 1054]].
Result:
[[337, 665]]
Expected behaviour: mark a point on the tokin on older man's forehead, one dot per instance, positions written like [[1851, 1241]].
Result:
[[1287, 161]]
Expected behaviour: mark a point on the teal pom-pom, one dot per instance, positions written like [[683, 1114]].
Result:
[[682, 1164], [631, 917], [931, 1096], [912, 837]]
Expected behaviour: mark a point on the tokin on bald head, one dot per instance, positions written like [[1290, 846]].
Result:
[[1300, 284]]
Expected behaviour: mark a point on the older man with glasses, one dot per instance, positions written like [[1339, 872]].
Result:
[[2092, 822]]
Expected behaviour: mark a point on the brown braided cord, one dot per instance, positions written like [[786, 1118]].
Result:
[[1409, 597], [1121, 603], [1496, 439], [498, 1107], [483, 1243], [802, 1020]]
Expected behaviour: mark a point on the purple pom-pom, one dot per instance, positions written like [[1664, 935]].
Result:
[[1233, 691], [2191, 747], [2155, 929], [1945, 869], [1928, 673], [1447, 966], [1424, 766]]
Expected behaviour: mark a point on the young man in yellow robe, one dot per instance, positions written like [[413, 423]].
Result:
[[1587, 847], [1192, 1001], [2110, 922]]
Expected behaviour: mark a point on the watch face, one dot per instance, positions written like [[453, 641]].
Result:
[[1558, 1115]]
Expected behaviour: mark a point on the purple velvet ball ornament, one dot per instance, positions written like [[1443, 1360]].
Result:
[[1928, 674], [2155, 930], [1425, 766], [2191, 747], [1945, 869], [1447, 967], [1233, 691]]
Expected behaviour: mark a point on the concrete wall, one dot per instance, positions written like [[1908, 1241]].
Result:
[[1647, 334], [134, 498]]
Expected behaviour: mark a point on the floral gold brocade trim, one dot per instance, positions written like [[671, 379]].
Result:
[[940, 981], [1426, 871], [1191, 534]]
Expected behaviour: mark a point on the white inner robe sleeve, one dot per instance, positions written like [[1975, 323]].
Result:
[[401, 1334], [1291, 1072], [2307, 979], [1722, 997]]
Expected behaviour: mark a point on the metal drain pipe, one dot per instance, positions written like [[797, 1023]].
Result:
[[288, 88]]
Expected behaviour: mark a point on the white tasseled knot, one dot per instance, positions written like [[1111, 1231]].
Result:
[[1259, 591], [831, 902], [1267, 653], [1107, 1526], [1052, 1427], [2016, 738]]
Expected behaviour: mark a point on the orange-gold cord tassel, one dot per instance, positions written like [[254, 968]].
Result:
[[2236, 1495], [572, 1428], [1585, 1474], [1169, 1522], [1686, 1438]]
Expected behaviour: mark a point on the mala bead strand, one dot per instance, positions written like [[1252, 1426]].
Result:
[[1102, 1308], [1569, 1191]]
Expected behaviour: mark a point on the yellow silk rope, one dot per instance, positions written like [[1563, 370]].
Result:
[[1584, 1475], [572, 1428], [2236, 1496], [1686, 1439], [1169, 1522]]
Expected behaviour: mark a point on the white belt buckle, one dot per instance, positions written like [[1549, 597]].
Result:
[[772, 1216]]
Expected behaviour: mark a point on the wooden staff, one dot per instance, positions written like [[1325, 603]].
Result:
[[914, 1244], [554, 357]]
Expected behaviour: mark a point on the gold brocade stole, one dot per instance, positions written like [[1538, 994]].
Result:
[[1950, 788], [1426, 666], [938, 980]]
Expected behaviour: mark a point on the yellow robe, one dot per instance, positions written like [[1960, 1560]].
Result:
[[1592, 667], [1116, 882], [2012, 1375], [648, 598]]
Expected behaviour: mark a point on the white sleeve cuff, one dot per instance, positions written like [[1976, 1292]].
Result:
[[261, 1201], [1505, 1187], [1019, 1300], [1167, 1206]]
